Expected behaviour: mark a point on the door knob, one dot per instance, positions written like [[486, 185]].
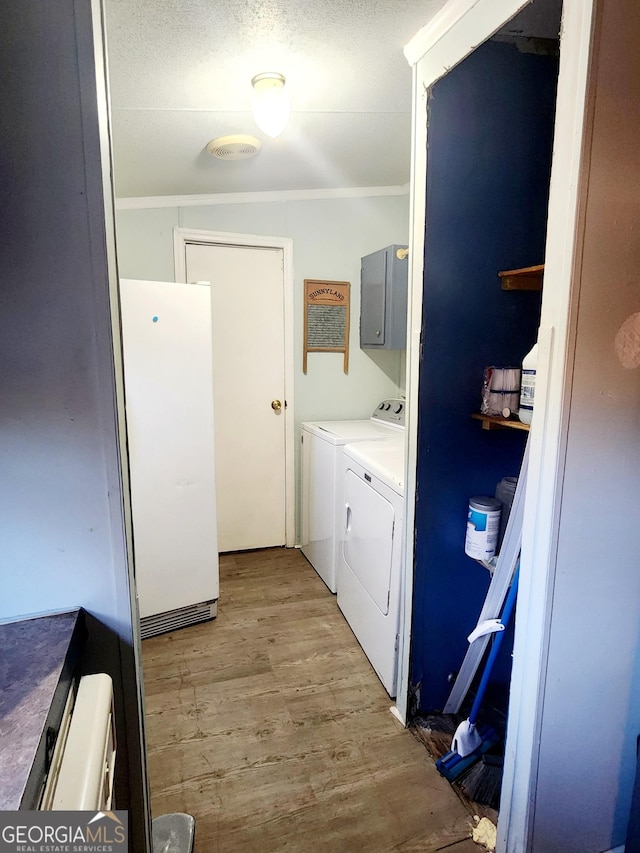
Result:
[[276, 405]]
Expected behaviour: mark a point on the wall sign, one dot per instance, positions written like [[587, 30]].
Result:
[[326, 318]]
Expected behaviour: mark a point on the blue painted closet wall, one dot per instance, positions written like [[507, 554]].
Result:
[[489, 156]]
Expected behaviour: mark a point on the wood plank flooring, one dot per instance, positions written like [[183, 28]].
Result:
[[269, 725]]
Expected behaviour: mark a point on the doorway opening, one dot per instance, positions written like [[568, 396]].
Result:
[[490, 135]]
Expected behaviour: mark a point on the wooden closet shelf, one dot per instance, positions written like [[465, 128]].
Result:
[[490, 422], [526, 278]]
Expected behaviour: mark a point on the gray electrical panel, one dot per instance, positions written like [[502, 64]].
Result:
[[383, 299]]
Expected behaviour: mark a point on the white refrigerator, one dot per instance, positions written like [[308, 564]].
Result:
[[168, 371]]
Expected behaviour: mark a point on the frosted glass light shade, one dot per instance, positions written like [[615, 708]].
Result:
[[271, 108]]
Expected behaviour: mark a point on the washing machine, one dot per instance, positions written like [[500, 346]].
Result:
[[322, 473], [369, 577]]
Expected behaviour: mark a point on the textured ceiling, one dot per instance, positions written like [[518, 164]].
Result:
[[180, 73]]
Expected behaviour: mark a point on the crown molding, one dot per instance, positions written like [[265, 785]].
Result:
[[258, 197]]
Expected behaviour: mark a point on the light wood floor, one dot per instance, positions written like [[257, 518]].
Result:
[[270, 727]]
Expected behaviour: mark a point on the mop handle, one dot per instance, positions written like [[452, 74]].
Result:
[[495, 648]]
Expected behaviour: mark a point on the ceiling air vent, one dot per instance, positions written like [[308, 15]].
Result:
[[236, 147]]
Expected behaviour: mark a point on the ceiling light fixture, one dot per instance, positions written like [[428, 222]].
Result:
[[271, 108]]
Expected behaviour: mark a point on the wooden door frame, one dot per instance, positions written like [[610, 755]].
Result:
[[451, 36], [181, 238]]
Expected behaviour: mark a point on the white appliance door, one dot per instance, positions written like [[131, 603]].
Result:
[[368, 538], [249, 371], [168, 370]]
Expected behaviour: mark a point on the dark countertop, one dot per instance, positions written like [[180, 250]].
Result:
[[37, 657]]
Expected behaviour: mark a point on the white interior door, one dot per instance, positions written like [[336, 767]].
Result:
[[249, 389]]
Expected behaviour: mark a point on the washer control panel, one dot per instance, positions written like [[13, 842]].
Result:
[[390, 412]]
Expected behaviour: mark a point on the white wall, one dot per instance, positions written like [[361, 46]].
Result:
[[591, 710], [329, 238]]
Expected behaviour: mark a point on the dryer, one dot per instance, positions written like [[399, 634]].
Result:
[[322, 474], [369, 569]]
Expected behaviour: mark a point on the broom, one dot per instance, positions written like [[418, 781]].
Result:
[[483, 782], [469, 744]]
